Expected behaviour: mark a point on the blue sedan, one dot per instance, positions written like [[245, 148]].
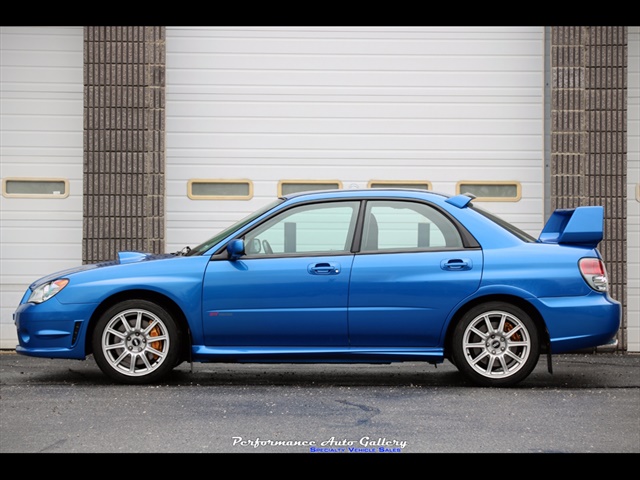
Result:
[[369, 276]]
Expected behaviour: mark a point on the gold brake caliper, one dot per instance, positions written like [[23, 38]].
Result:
[[155, 332], [508, 327]]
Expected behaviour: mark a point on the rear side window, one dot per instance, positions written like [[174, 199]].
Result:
[[403, 225]]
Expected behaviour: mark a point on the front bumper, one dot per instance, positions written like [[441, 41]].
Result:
[[51, 329]]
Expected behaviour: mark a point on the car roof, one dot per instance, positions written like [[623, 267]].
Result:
[[365, 192]]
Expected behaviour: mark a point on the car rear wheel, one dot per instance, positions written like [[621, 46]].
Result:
[[136, 341], [496, 344]]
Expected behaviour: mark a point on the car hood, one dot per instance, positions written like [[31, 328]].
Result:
[[122, 258]]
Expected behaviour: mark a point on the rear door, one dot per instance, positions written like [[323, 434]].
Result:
[[411, 272]]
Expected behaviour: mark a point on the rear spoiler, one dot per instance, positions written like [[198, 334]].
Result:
[[575, 226]]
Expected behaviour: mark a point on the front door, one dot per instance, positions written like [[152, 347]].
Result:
[[291, 288]]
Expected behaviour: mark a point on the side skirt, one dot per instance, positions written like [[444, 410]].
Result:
[[202, 353]]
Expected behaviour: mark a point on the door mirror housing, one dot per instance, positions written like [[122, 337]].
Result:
[[235, 248]]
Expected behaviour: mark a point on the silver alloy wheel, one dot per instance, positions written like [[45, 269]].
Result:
[[496, 344], [135, 342]]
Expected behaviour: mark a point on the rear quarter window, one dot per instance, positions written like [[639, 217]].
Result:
[[522, 235]]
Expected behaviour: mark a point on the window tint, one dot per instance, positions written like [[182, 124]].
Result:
[[317, 228], [399, 225]]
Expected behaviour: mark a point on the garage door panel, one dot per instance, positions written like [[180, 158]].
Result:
[[56, 234], [51, 139], [37, 252], [66, 128], [47, 39], [186, 113], [368, 141], [344, 32], [344, 126], [357, 79], [442, 94], [52, 107], [355, 40], [39, 59], [399, 61], [351, 104], [18, 76], [219, 158], [41, 136]]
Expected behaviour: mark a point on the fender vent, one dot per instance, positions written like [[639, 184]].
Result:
[[76, 329]]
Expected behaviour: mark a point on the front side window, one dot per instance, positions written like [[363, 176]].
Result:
[[402, 225], [306, 229], [203, 247]]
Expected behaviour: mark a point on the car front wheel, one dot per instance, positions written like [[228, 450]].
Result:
[[136, 341], [496, 344]]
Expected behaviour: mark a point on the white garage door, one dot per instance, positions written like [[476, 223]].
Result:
[[253, 110], [41, 158]]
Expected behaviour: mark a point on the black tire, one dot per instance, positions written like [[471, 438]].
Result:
[[136, 342], [496, 344]]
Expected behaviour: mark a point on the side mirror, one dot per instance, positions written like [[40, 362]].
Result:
[[235, 248]]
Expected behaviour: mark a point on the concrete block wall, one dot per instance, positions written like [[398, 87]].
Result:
[[588, 135], [124, 140]]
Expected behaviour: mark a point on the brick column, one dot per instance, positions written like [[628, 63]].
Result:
[[124, 147], [588, 135]]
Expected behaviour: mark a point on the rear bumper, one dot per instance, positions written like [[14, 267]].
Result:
[[576, 323]]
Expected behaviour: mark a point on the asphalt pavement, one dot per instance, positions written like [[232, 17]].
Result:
[[590, 404], [589, 370]]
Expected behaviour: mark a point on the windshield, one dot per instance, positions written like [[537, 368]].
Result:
[[203, 247]]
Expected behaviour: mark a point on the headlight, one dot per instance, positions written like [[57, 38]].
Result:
[[47, 290]]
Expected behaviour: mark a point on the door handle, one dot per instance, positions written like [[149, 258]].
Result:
[[456, 264], [324, 268]]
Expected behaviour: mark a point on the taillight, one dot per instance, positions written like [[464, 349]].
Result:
[[594, 273]]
